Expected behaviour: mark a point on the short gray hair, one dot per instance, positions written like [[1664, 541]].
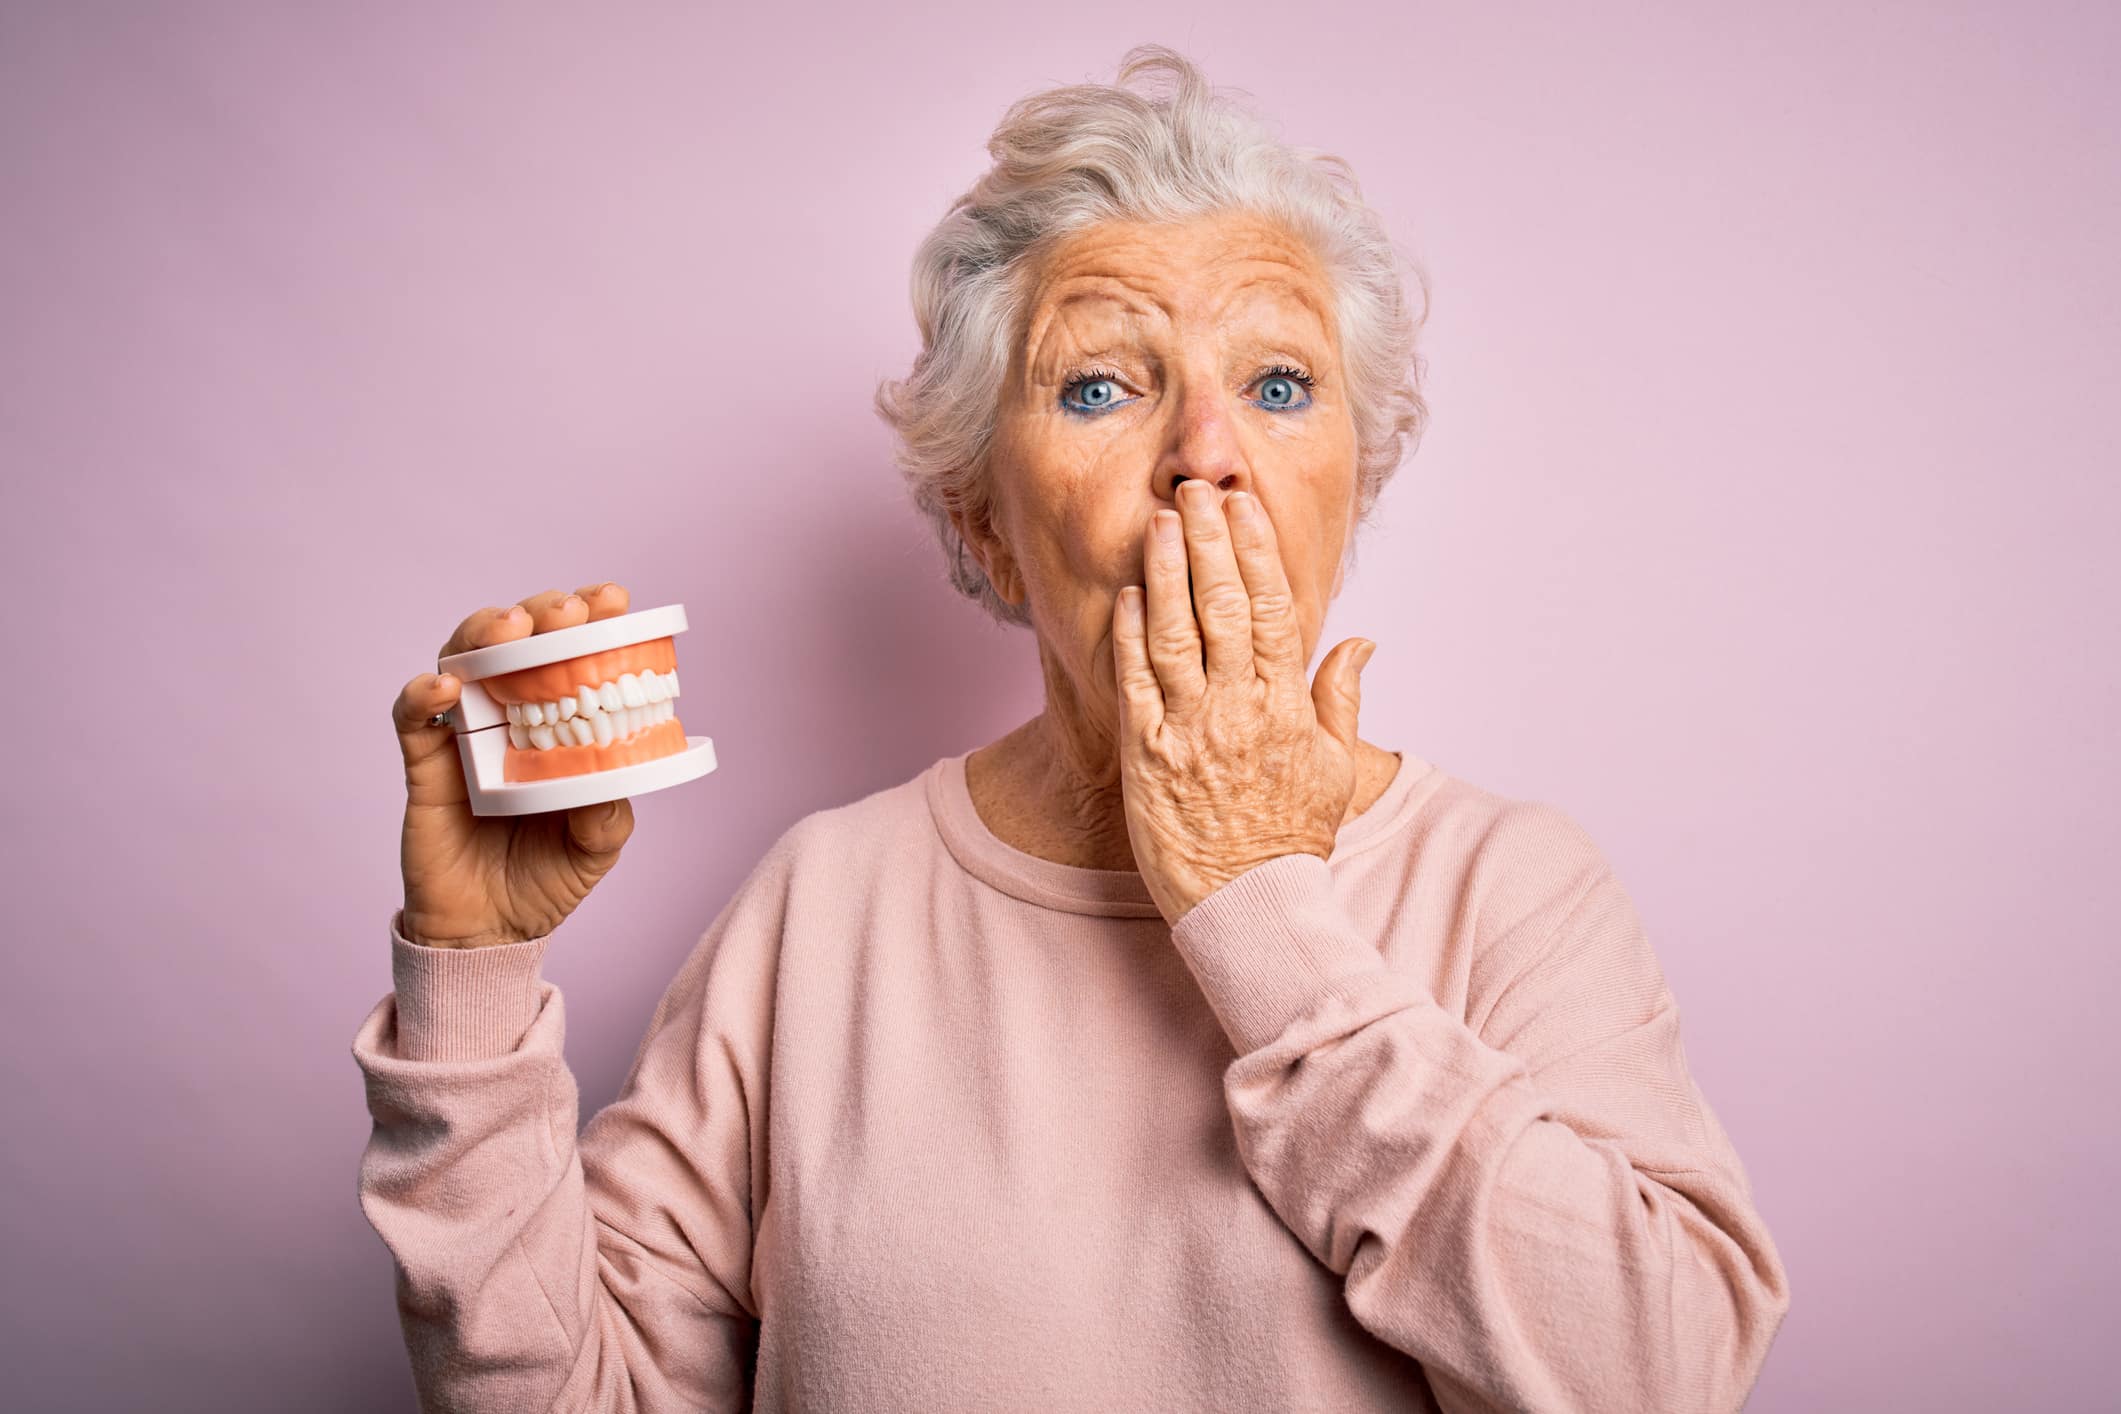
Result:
[[1069, 157]]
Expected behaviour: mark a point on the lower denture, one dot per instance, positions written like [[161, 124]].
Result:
[[665, 738]]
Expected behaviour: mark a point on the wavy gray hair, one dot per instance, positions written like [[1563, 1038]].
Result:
[[1072, 156]]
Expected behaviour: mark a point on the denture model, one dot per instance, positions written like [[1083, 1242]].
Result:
[[574, 716]]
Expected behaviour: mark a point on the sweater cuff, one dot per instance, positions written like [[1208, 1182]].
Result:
[[1270, 946], [462, 1003]]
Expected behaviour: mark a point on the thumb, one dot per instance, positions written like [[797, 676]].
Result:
[[1337, 693], [602, 828]]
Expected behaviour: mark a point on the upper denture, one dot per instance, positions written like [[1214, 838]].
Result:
[[549, 681], [595, 715]]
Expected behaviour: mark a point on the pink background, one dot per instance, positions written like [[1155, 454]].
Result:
[[1766, 524]]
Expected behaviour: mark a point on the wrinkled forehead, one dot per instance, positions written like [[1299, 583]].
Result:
[[1132, 282]]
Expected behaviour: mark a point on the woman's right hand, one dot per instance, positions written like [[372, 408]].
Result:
[[478, 881]]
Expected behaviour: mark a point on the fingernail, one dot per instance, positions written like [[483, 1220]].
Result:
[[1240, 505], [1167, 526], [445, 681]]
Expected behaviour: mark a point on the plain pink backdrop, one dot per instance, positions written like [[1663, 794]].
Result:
[[1766, 524]]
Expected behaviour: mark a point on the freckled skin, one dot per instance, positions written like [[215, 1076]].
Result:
[[1188, 318]]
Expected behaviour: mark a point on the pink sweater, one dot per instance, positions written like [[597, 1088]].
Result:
[[928, 1123]]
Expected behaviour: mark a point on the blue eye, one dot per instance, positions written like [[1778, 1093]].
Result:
[[1099, 392], [1282, 386]]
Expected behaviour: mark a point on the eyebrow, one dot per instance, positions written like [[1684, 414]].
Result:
[[1307, 342], [1299, 349]]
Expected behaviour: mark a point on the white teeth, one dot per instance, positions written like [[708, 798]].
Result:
[[595, 716]]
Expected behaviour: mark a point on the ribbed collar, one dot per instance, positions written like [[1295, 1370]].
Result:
[[1112, 893]]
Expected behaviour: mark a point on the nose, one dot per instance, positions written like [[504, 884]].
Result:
[[1202, 445], [1227, 483], [1193, 461]]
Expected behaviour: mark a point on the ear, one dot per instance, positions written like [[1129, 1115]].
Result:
[[991, 552]]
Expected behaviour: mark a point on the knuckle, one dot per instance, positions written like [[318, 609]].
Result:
[[1173, 642], [1272, 604], [1158, 749]]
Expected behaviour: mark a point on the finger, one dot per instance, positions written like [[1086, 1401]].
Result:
[[554, 608], [483, 628], [1220, 603], [1141, 696], [1277, 638], [606, 601], [598, 831], [1337, 693], [433, 774], [1172, 633]]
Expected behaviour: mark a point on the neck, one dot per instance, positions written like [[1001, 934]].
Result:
[[1053, 784]]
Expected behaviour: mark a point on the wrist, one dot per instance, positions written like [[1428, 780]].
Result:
[[440, 934]]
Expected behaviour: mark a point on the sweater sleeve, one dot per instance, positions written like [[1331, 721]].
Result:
[[1540, 1208], [536, 1269]]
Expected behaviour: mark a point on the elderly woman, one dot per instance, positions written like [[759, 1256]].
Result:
[[1180, 1050]]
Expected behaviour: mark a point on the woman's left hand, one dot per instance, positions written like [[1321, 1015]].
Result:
[[1227, 757]]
